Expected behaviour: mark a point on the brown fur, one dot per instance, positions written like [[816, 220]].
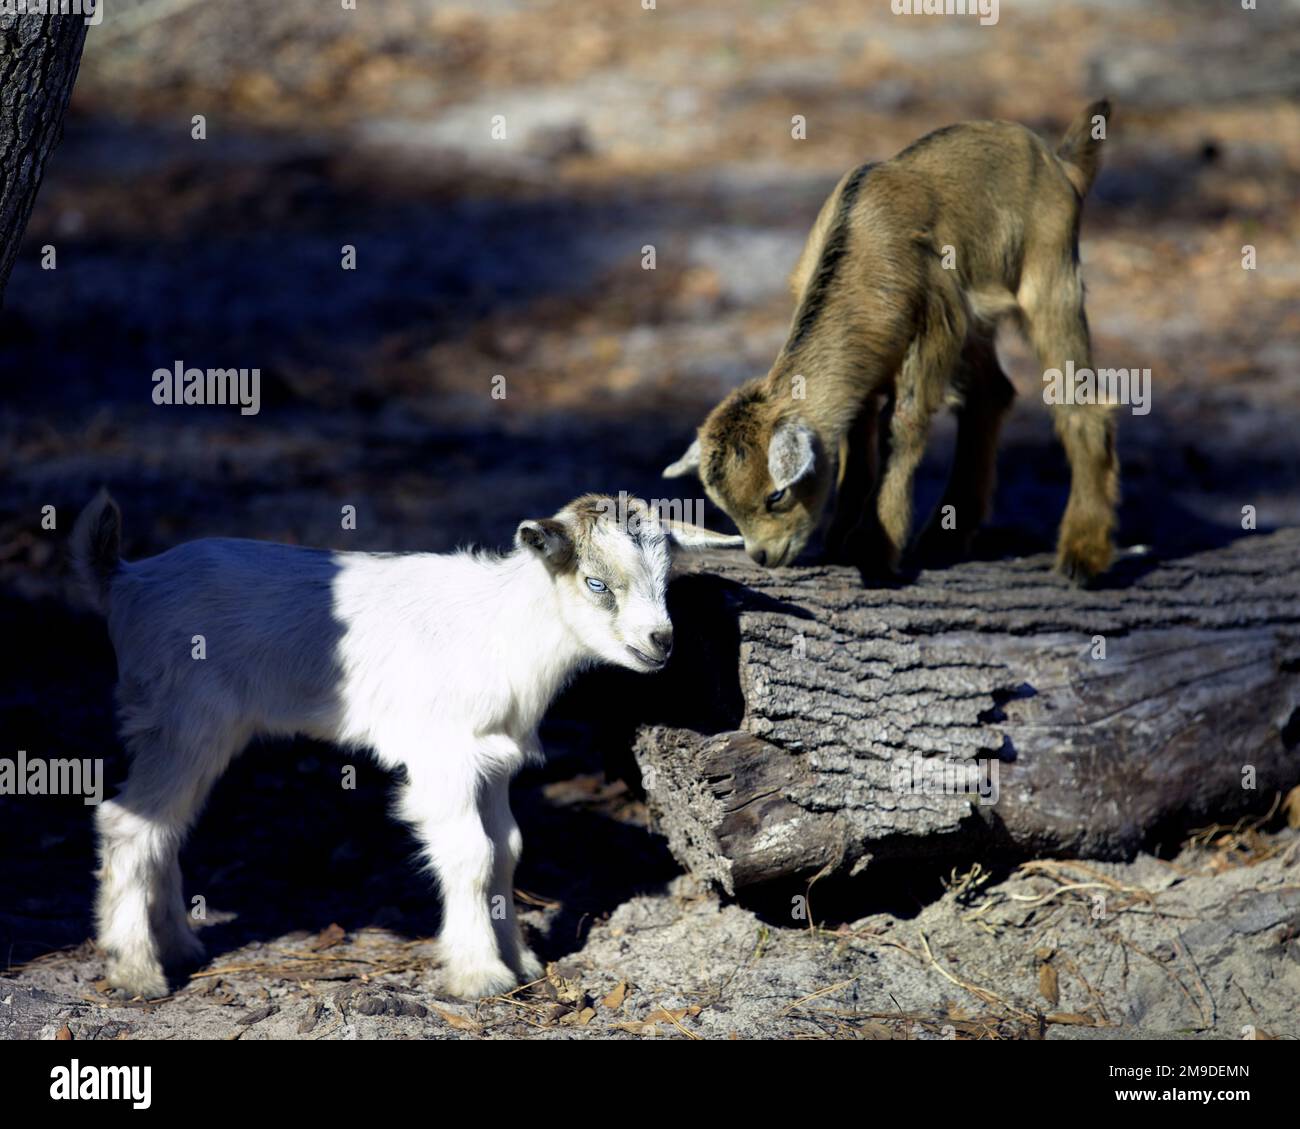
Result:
[[879, 316]]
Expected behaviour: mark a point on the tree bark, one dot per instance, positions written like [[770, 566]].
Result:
[[39, 58], [802, 708]]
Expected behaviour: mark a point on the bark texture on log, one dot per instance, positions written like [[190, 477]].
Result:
[[786, 737], [39, 59]]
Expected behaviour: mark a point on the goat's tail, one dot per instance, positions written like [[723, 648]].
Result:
[[96, 547], [1080, 148]]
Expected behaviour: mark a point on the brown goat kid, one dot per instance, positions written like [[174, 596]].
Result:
[[907, 272]]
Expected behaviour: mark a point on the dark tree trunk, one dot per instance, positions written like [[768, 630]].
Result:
[[39, 57], [772, 746]]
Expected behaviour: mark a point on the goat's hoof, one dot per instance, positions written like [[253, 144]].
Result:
[[145, 979], [1081, 564], [938, 547], [531, 966], [855, 548], [474, 982], [184, 948]]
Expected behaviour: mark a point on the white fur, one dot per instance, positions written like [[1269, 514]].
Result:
[[441, 664]]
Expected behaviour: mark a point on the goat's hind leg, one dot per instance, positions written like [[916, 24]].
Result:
[[507, 846], [1058, 329], [985, 397], [178, 943]]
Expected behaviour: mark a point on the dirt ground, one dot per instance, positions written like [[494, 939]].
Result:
[[524, 258], [1203, 945]]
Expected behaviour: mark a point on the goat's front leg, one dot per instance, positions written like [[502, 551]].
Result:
[[853, 532], [444, 808], [909, 427], [918, 392], [507, 844]]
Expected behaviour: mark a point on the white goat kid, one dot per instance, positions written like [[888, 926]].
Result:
[[442, 664]]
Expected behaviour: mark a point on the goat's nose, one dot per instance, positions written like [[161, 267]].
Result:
[[663, 639], [759, 556]]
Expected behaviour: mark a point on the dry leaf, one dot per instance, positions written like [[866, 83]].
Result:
[[64, 1033], [1071, 1018], [648, 1025], [328, 937], [312, 1016], [572, 994], [615, 999], [567, 990], [663, 1015], [460, 1022], [1048, 984], [1291, 805], [578, 1018]]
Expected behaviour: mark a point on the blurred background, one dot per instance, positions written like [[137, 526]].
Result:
[[523, 257]]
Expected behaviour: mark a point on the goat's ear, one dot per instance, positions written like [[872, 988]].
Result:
[[689, 463], [549, 539], [684, 535], [792, 453]]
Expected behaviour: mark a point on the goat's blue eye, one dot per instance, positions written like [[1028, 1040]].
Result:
[[596, 585]]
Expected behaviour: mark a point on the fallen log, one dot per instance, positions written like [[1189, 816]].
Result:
[[809, 723]]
